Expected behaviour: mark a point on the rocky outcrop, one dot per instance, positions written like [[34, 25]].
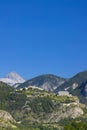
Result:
[[6, 120]]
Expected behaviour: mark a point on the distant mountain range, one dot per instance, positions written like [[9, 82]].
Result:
[[12, 78], [77, 85]]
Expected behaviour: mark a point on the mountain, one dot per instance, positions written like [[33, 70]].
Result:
[[33, 108], [12, 78], [48, 82], [76, 85]]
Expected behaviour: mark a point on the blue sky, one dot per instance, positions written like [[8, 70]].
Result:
[[43, 36]]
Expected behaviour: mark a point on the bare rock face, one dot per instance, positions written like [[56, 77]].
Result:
[[75, 85], [77, 112]]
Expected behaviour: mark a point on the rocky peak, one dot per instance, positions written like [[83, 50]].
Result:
[[12, 78], [15, 76]]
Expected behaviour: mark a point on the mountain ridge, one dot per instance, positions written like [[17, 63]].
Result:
[[48, 82], [76, 86]]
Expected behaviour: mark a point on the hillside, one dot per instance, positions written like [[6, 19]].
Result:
[[48, 82], [37, 109], [5, 91], [7, 121], [34, 108]]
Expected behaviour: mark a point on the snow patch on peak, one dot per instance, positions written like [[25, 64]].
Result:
[[12, 78]]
